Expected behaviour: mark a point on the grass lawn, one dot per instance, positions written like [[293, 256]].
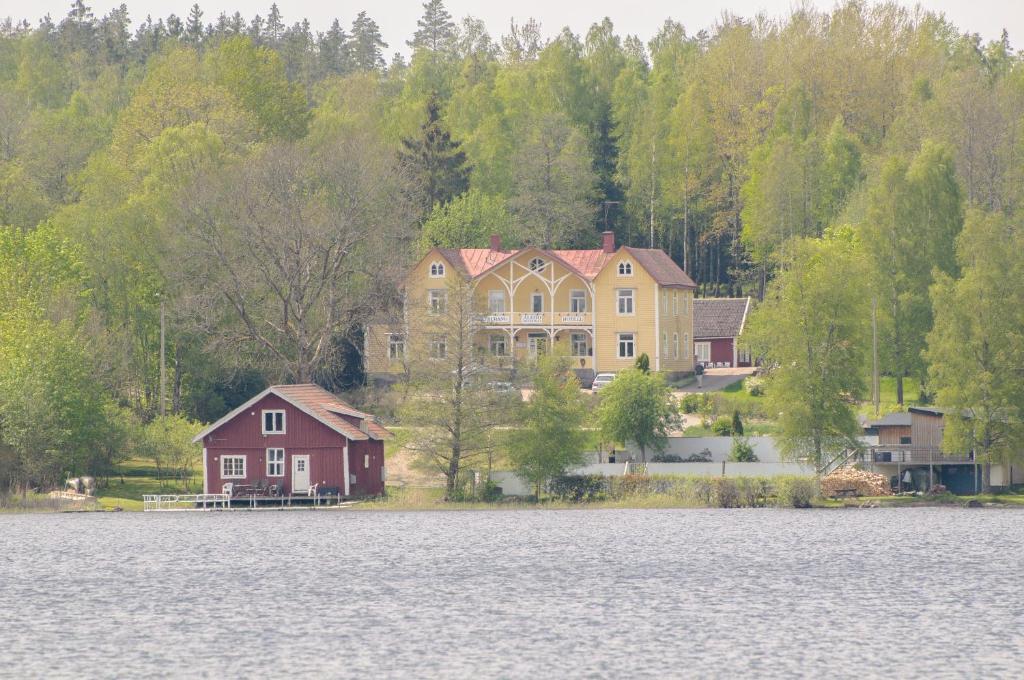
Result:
[[887, 397], [139, 477]]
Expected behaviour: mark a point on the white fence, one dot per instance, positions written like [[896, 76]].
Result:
[[195, 501]]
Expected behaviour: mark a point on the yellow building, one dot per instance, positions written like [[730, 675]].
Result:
[[603, 307]]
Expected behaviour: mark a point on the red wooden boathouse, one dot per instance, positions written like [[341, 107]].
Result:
[[298, 439]]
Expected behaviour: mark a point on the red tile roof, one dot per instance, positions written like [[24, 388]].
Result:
[[473, 262], [318, 403], [587, 262], [327, 408]]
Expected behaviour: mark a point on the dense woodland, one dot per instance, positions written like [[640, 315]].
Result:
[[261, 183]]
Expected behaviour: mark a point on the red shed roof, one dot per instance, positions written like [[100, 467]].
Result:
[[317, 403]]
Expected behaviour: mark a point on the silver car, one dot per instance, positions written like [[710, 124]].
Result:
[[600, 380]]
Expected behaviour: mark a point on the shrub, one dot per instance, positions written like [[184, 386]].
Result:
[[752, 491], [490, 492], [737, 424], [666, 458], [577, 488], [742, 451], [726, 494], [632, 485], [691, 403], [702, 456], [754, 386], [722, 426], [795, 492]]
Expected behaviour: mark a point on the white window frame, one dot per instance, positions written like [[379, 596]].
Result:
[[396, 346], [702, 357], [496, 340], [675, 303], [578, 301], [437, 300], [496, 301], [625, 268], [533, 300], [437, 270], [578, 341], [537, 264], [686, 345], [675, 345], [439, 347], [624, 295], [272, 459], [664, 302], [626, 340], [664, 344], [263, 421], [366, 461], [224, 467]]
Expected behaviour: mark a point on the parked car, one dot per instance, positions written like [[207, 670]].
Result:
[[600, 380], [498, 386]]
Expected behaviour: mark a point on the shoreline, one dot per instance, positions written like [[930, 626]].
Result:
[[651, 502]]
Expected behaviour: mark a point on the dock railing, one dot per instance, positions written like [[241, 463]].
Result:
[[182, 501]]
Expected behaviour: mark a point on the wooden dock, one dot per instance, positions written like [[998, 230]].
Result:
[[206, 502]]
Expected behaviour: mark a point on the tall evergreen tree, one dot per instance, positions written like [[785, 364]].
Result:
[[275, 26], [367, 45], [194, 25], [436, 31], [436, 159], [334, 50]]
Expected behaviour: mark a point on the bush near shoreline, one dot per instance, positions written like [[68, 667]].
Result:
[[789, 491]]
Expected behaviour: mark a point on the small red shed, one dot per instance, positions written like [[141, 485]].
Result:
[[296, 438], [717, 325]]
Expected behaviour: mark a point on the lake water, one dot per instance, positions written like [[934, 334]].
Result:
[[522, 593]]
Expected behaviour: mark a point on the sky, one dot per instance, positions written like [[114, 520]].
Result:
[[397, 18]]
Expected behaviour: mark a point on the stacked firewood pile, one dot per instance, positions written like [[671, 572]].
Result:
[[848, 481]]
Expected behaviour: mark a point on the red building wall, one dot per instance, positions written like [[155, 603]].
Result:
[[721, 350], [304, 435]]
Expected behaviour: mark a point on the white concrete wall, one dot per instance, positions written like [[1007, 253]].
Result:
[[511, 485], [1003, 475], [717, 469], [720, 448]]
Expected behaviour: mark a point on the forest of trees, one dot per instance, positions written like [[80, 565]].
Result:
[[262, 183]]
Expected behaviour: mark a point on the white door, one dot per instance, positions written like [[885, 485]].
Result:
[[300, 474]]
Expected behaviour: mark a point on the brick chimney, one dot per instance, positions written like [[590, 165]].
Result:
[[496, 243], [608, 241]]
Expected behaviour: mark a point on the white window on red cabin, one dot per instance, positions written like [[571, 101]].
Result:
[[273, 422], [275, 462], [366, 461], [232, 467]]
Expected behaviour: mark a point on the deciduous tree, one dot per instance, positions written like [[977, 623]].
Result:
[[550, 438]]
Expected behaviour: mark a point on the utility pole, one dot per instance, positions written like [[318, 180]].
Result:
[[163, 358], [876, 396]]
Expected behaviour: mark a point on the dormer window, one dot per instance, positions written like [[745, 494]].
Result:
[[537, 264], [273, 422], [625, 269], [436, 270]]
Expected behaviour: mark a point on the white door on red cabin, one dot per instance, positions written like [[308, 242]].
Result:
[[300, 474]]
